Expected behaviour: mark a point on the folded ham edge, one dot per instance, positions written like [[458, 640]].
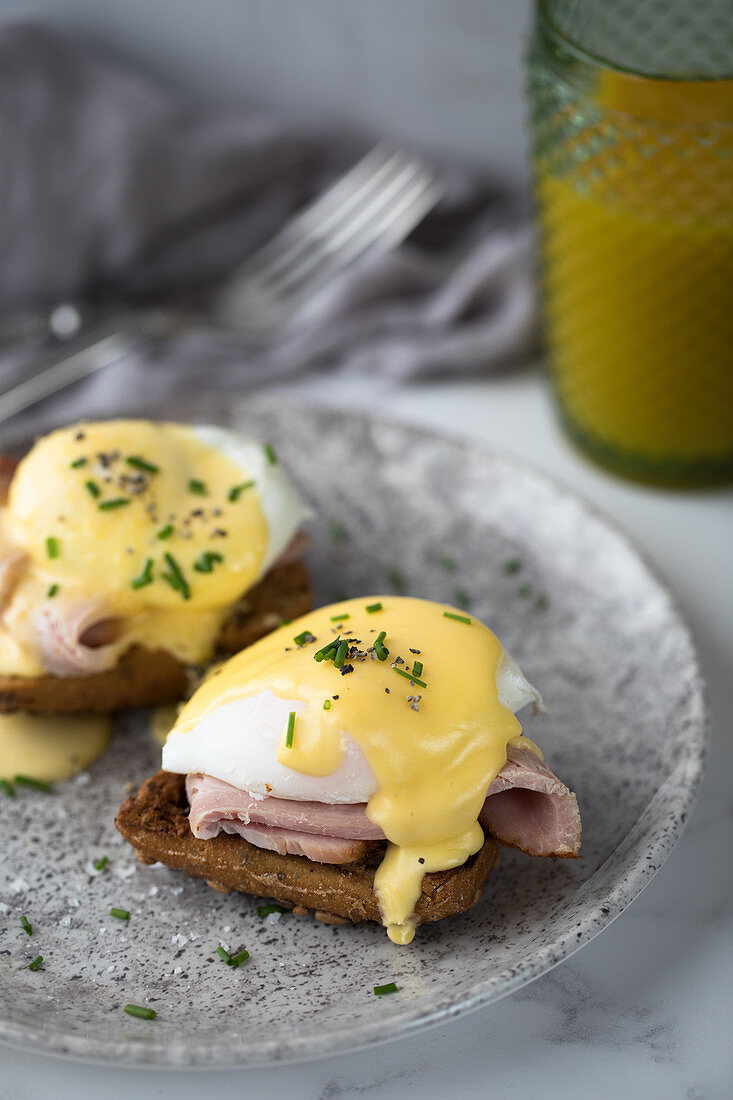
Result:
[[526, 807]]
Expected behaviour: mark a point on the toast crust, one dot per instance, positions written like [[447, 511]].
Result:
[[155, 822], [145, 678]]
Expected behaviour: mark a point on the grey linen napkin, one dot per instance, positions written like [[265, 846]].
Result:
[[112, 189]]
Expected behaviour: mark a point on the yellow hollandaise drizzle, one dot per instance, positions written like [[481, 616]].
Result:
[[143, 518], [161, 720], [50, 748], [433, 749]]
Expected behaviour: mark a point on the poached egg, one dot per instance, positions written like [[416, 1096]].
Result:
[[163, 525]]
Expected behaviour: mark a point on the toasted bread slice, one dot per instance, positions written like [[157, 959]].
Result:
[[143, 677], [155, 822]]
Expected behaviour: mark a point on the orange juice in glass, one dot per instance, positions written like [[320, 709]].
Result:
[[632, 127]]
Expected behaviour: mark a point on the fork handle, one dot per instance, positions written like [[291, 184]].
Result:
[[100, 346]]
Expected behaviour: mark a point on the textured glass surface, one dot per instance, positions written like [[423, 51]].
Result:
[[670, 37], [634, 185]]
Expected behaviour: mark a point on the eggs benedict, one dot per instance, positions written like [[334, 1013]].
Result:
[[126, 547], [363, 762]]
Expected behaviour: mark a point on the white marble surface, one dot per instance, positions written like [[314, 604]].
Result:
[[646, 1009]]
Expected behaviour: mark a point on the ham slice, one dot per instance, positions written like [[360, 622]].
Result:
[[289, 842], [78, 639], [214, 802], [526, 807]]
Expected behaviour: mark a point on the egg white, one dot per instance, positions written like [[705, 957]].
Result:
[[283, 509], [238, 743]]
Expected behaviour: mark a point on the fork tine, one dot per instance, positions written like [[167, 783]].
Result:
[[377, 203], [318, 219], [410, 195], [394, 228], [371, 204]]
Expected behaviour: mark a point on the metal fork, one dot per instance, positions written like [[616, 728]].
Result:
[[374, 206]]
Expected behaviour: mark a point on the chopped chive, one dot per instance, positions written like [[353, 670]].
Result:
[[340, 618], [205, 563], [101, 863], [172, 580], [265, 910], [116, 502], [140, 464], [36, 962], [270, 454], [340, 655], [328, 650], [140, 1012], [52, 590], [372, 607], [326, 704], [53, 548], [462, 598], [236, 491], [542, 602], [93, 489], [29, 781], [458, 618], [512, 566], [304, 638], [197, 487], [417, 668], [145, 577], [234, 960], [448, 563], [409, 676], [524, 590], [380, 990], [291, 730], [77, 463], [165, 532], [176, 578], [396, 579], [121, 914], [26, 925], [7, 788], [338, 532], [285, 622], [379, 647]]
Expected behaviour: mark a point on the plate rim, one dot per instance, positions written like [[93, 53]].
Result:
[[637, 872]]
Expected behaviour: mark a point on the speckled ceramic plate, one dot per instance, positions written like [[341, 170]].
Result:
[[592, 626]]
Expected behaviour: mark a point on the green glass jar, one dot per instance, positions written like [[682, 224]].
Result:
[[631, 110]]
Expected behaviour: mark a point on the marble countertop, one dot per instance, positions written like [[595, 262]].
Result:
[[646, 1008]]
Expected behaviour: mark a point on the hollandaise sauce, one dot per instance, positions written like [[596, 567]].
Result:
[[160, 527], [414, 684], [161, 720], [49, 748]]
